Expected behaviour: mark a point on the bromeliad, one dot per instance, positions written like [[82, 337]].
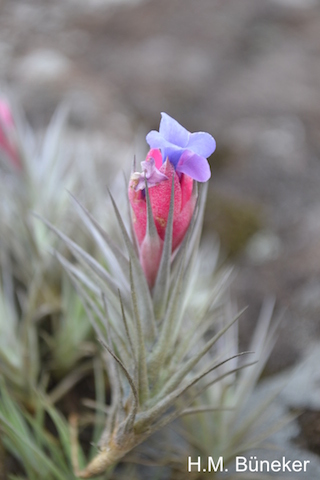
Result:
[[159, 333]]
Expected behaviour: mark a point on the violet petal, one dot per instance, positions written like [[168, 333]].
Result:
[[156, 177], [202, 144], [140, 185], [186, 151], [148, 166], [174, 152], [155, 139], [172, 131], [196, 166], [151, 173]]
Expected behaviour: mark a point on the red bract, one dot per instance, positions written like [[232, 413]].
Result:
[[160, 194], [6, 128]]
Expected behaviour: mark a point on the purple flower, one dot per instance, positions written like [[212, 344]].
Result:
[[188, 152]]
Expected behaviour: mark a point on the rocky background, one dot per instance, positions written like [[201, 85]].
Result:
[[246, 71]]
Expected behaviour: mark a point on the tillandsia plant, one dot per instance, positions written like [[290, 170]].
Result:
[[29, 437], [161, 354], [31, 175], [34, 176]]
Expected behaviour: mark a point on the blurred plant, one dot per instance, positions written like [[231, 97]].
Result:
[[12, 352], [70, 329], [25, 436], [45, 336], [39, 183], [34, 176], [41, 441], [19, 355]]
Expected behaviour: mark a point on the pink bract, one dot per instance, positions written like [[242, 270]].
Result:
[[7, 126], [160, 194]]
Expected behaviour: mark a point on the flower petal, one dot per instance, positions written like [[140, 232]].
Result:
[[156, 177], [148, 166], [174, 152], [155, 139], [172, 131], [202, 144], [149, 172], [186, 151], [194, 165]]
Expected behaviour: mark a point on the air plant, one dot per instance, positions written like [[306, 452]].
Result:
[[142, 304], [156, 299], [43, 447], [34, 176]]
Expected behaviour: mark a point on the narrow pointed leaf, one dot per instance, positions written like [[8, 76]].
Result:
[[170, 417], [201, 323], [142, 360], [127, 375], [52, 137], [162, 405], [194, 230], [76, 272], [173, 314], [145, 304], [189, 364], [99, 233], [83, 256], [132, 341]]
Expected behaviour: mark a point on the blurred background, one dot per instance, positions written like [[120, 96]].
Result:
[[246, 71]]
